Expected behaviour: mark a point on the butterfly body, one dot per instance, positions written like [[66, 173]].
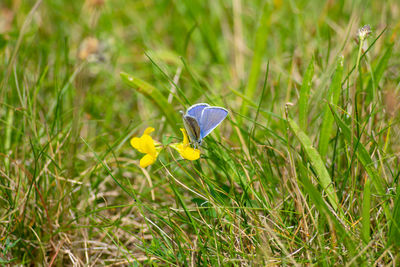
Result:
[[201, 119]]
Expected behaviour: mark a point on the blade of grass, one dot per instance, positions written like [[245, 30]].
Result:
[[200, 89], [362, 56], [365, 159], [108, 170], [378, 73], [21, 33], [315, 159], [333, 97], [394, 228], [366, 214], [259, 107], [321, 205], [184, 206], [155, 96], [305, 94], [199, 13], [259, 50], [178, 89], [7, 142]]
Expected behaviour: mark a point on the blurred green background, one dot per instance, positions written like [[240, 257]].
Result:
[[72, 192]]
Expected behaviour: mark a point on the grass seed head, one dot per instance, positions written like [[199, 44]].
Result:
[[363, 32]]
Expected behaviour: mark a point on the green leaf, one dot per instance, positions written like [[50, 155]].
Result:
[[333, 98], [305, 94], [315, 159]]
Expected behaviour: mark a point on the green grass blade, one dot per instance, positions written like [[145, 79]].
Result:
[[155, 96], [315, 196], [366, 214], [305, 95], [363, 156], [333, 97], [180, 97], [319, 202], [315, 159], [108, 170], [378, 73], [184, 206], [259, 50], [362, 56], [394, 228], [199, 14], [8, 136]]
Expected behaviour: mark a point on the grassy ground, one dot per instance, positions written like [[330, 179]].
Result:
[[304, 171]]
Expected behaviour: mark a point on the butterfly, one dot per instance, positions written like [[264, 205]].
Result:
[[201, 119]]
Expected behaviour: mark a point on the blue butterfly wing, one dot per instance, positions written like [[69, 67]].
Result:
[[211, 117], [196, 110]]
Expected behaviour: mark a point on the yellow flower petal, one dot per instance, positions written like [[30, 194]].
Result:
[[144, 144], [147, 160], [185, 137], [148, 130], [187, 152], [135, 143], [184, 148], [147, 145]]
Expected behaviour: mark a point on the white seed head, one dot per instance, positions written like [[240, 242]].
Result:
[[364, 31]]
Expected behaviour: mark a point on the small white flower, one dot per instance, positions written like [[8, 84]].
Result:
[[364, 31]]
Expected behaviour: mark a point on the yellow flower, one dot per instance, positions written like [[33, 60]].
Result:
[[184, 148], [145, 144]]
